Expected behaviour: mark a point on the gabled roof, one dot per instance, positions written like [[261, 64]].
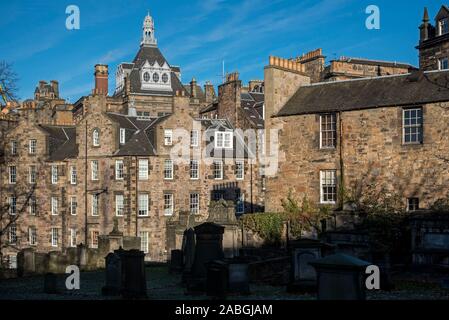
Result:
[[399, 90], [150, 54], [62, 142]]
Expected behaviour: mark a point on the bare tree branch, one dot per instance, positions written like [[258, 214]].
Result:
[[8, 81]]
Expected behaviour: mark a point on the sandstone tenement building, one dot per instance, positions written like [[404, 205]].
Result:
[[65, 180], [68, 171]]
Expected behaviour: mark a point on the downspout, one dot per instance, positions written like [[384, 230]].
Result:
[[137, 199], [342, 180], [85, 190], [251, 188]]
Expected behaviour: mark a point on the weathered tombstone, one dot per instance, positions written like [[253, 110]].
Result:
[[113, 284], [51, 283], [217, 279], [176, 261], [341, 277], [238, 277], [303, 277], [209, 247], [188, 249], [82, 256], [134, 285], [26, 262]]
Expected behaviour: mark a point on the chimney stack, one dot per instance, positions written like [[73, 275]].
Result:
[[101, 79], [55, 87], [193, 88], [209, 92]]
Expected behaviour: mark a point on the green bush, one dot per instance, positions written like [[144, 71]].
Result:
[[267, 225]]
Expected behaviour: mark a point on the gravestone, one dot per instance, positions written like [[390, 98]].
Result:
[[176, 261], [26, 262], [303, 277], [134, 284], [51, 283], [217, 279], [209, 247], [188, 249], [341, 277], [238, 277], [113, 273]]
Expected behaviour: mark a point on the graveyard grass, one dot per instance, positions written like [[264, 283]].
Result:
[[161, 285]]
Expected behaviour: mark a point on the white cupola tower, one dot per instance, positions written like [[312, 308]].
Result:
[[148, 38]]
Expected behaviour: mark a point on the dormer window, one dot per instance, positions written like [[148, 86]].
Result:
[[146, 77], [223, 140], [155, 77], [165, 78], [122, 136], [444, 26], [96, 138]]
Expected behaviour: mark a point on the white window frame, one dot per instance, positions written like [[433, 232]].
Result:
[[194, 138], [240, 206], [168, 167], [218, 164], [168, 137], [194, 170], [119, 170], [54, 237], [324, 178], [96, 138], [12, 171], [73, 175], [119, 205], [12, 261], [443, 63], [14, 145], [32, 174], [168, 204], [95, 205], [419, 126], [73, 205], [194, 203], [240, 169], [144, 241], [122, 135], [12, 201], [441, 23], [94, 235], [32, 236], [224, 139], [12, 234], [73, 237], [32, 206], [143, 169], [32, 146], [54, 174], [54, 206], [333, 130], [143, 205], [94, 168]]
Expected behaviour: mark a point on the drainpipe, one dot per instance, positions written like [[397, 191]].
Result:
[[251, 188], [342, 181], [85, 190], [137, 198]]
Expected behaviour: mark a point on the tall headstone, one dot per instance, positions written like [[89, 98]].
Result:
[[134, 285], [209, 247], [26, 262], [113, 284], [188, 249]]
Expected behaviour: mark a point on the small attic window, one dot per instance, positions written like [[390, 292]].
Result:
[[122, 136], [444, 26]]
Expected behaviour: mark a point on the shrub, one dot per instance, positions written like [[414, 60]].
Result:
[[267, 225]]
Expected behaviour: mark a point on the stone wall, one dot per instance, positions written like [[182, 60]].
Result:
[[369, 150]]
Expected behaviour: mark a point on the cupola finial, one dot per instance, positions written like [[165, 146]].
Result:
[[148, 38]]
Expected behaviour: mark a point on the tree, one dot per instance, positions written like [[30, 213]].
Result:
[[8, 81], [7, 219]]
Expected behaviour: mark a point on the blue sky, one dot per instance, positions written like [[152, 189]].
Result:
[[198, 35]]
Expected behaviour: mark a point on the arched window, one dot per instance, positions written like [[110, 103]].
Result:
[[96, 138], [146, 77]]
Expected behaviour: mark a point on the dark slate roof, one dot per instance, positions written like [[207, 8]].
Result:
[[211, 107], [378, 63], [62, 142], [399, 90], [198, 90], [152, 54], [252, 103]]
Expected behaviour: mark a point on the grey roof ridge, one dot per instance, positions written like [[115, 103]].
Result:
[[151, 144], [369, 78], [127, 118], [63, 130]]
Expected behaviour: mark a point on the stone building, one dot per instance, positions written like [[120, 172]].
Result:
[[336, 137], [119, 158], [433, 42]]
